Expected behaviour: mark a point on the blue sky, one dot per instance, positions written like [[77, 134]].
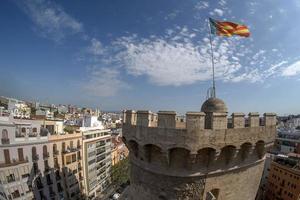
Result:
[[150, 54]]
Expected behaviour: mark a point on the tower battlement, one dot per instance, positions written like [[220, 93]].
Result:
[[200, 146]]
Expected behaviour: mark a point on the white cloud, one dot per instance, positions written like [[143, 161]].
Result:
[[172, 15], [201, 5], [219, 12], [103, 82], [96, 48], [51, 20], [292, 69], [179, 61]]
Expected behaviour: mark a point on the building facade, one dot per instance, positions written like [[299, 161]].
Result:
[[119, 150], [201, 157], [36, 163], [96, 160], [284, 179]]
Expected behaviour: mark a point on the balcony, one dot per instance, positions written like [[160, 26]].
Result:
[[100, 152], [47, 169], [70, 150], [32, 134], [55, 153], [20, 135], [13, 163], [35, 158], [46, 155], [56, 165], [11, 179], [5, 140]]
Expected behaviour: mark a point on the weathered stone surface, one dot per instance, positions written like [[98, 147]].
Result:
[[200, 157]]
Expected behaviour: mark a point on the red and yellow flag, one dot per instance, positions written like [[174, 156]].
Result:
[[228, 28]]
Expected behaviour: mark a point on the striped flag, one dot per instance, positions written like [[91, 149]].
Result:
[[228, 28]]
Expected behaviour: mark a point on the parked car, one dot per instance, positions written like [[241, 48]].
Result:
[[116, 196]]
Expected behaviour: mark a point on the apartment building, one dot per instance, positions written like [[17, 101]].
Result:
[[96, 160], [36, 163], [67, 164], [15, 164], [284, 179]]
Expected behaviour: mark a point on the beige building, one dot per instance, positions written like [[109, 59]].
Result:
[[284, 179], [204, 156], [96, 160], [37, 163]]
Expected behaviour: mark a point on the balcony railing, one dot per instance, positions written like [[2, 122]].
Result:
[[19, 135], [46, 155], [5, 140], [35, 158], [11, 179], [55, 152], [32, 135], [47, 169], [70, 150], [13, 163], [56, 165]]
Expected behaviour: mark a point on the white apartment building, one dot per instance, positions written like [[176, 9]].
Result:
[[38, 160], [96, 160], [18, 108]]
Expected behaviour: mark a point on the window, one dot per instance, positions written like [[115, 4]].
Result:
[[4, 134], [6, 156], [34, 154], [45, 151], [23, 130], [20, 154], [16, 194], [54, 148], [34, 130], [10, 178], [5, 139], [73, 157], [63, 147]]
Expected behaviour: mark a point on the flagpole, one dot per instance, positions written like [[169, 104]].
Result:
[[212, 62]]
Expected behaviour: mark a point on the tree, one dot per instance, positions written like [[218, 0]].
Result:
[[120, 172]]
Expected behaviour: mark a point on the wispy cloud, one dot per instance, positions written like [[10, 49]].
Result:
[[50, 19], [175, 59], [201, 5], [217, 12], [96, 48], [103, 82], [292, 70]]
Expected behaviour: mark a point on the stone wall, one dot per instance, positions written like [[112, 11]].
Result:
[[238, 184]]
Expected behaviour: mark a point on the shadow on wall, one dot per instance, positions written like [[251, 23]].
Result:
[[55, 183]]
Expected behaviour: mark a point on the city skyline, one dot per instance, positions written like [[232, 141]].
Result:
[[150, 54]]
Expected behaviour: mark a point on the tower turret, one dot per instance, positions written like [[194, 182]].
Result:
[[206, 156]]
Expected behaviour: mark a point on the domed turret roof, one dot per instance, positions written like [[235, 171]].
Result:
[[214, 105]]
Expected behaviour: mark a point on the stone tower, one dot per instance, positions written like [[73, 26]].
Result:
[[208, 156]]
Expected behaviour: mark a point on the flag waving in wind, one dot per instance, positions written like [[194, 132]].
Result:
[[228, 28]]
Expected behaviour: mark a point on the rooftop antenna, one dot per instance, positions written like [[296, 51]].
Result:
[[211, 92]]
